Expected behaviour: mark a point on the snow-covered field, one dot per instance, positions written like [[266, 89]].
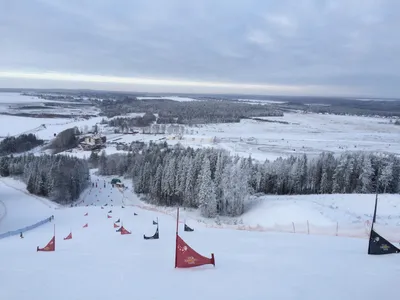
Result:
[[99, 263], [347, 215], [15, 99], [15, 103], [173, 98], [14, 125], [304, 133], [260, 102]]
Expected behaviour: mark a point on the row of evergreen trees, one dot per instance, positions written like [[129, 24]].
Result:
[[21, 143], [220, 184], [59, 177], [124, 123]]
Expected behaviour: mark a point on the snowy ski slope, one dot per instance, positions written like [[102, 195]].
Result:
[[99, 263]]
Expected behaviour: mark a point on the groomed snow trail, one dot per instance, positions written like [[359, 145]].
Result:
[[21, 209], [99, 263]]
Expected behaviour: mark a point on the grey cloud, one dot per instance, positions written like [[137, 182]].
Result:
[[344, 44]]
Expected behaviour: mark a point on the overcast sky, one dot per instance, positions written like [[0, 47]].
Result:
[[322, 47]]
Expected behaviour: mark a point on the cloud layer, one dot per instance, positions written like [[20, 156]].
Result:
[[341, 47]]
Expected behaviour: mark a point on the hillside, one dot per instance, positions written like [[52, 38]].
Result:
[[253, 264]]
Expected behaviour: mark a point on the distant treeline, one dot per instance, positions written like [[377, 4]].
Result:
[[219, 184], [19, 144], [125, 123], [60, 178], [344, 106], [332, 105], [129, 124], [193, 112]]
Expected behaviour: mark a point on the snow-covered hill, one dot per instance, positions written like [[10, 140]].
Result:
[[100, 264]]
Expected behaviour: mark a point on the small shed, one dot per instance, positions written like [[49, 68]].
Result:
[[115, 180]]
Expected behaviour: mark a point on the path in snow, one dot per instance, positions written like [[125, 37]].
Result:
[[99, 263], [21, 209]]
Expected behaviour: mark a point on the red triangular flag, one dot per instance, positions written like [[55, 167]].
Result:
[[86, 225], [186, 257], [124, 231], [109, 217], [86, 214], [116, 226], [51, 246], [68, 237]]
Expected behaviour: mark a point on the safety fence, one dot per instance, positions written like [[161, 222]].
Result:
[[353, 230], [358, 230], [24, 229]]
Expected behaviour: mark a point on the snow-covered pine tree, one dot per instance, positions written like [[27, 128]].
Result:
[[365, 178], [386, 176], [155, 189], [325, 186], [103, 163], [189, 196], [339, 175], [206, 196]]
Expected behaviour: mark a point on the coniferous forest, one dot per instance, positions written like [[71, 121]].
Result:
[[60, 178], [19, 144], [220, 184], [209, 179]]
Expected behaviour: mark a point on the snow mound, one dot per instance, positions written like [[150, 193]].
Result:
[[271, 213]]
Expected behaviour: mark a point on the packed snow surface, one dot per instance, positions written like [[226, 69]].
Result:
[[19, 99], [173, 98], [43, 128], [18, 103], [261, 102], [21, 209], [99, 263]]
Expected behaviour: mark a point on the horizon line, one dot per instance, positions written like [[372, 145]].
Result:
[[228, 88]]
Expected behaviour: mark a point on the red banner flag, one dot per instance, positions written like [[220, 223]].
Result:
[[116, 226], [51, 246], [186, 257], [124, 231], [68, 237], [109, 217], [86, 225]]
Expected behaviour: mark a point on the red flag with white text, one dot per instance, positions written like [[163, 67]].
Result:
[[186, 257]]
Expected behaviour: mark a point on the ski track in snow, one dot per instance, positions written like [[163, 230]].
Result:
[[3, 210], [99, 263]]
